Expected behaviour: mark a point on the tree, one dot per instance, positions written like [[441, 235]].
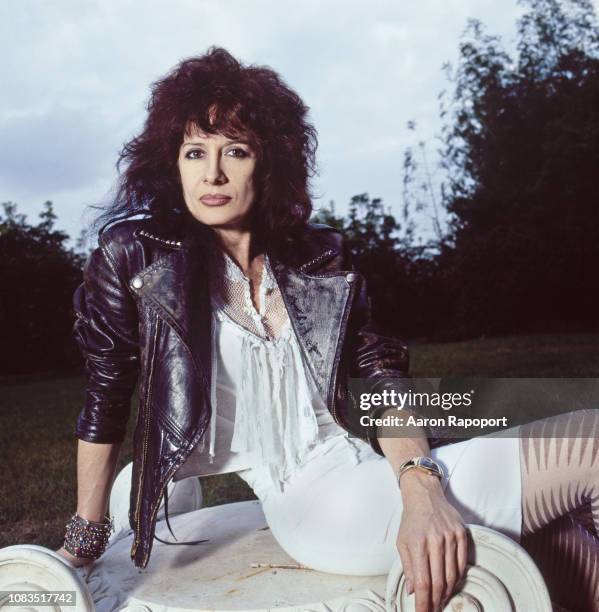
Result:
[[38, 275], [397, 276], [521, 155]]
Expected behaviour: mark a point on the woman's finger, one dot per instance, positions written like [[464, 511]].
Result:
[[436, 555], [422, 577], [406, 563], [462, 551], [451, 566]]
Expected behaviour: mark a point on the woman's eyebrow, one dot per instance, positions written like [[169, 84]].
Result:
[[191, 142], [230, 142]]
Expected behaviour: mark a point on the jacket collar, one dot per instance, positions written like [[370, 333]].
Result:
[[312, 252], [177, 287]]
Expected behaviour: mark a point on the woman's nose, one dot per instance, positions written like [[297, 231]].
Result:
[[214, 173]]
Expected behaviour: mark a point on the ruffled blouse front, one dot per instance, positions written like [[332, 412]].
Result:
[[266, 408]]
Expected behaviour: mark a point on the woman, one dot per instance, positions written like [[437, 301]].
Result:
[[244, 322]]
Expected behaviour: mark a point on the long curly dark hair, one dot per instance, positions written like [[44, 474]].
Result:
[[219, 94]]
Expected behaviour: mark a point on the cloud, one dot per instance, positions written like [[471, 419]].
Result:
[[56, 150], [79, 73]]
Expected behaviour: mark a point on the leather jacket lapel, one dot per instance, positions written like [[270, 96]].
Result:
[[316, 306], [176, 286]]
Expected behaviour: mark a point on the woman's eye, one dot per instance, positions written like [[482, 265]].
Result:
[[238, 152], [194, 154]]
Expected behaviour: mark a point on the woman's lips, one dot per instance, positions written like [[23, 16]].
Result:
[[213, 200]]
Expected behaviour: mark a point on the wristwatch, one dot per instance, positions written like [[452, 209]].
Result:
[[423, 463]]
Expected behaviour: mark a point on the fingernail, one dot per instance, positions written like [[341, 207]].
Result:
[[409, 587]]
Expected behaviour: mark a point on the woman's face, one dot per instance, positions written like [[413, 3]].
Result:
[[217, 178]]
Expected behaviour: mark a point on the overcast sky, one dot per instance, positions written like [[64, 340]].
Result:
[[75, 79]]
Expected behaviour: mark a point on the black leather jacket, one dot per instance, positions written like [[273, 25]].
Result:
[[143, 308]]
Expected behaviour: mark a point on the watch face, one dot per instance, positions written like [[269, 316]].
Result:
[[427, 462]]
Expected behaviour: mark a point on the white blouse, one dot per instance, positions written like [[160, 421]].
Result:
[[266, 408]]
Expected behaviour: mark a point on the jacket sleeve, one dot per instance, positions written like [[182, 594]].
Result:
[[380, 358], [106, 330], [383, 360]]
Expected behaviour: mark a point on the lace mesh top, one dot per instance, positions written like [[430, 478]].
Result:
[[230, 295], [266, 409]]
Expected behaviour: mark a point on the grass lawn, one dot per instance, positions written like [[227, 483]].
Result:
[[37, 417]]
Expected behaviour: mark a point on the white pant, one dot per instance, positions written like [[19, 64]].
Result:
[[335, 515]]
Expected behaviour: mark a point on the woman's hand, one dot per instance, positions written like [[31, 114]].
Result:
[[432, 541], [74, 561]]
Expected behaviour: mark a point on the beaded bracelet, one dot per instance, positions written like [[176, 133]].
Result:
[[87, 539]]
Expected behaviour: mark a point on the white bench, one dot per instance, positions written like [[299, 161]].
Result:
[[243, 568]]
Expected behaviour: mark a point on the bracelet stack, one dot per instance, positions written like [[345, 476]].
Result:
[[87, 539]]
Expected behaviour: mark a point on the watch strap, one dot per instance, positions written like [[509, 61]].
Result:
[[425, 464]]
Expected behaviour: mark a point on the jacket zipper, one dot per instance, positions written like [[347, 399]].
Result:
[[145, 440], [155, 506]]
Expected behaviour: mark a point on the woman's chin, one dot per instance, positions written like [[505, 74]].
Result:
[[223, 221]]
